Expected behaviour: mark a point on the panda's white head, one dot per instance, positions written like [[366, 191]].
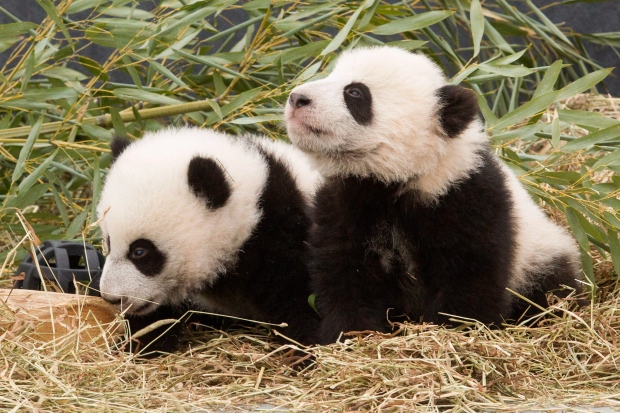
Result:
[[387, 114], [176, 207]]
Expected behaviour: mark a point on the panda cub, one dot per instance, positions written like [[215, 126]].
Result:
[[196, 219], [416, 215]]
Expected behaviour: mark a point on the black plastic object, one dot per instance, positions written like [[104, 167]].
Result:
[[61, 262]]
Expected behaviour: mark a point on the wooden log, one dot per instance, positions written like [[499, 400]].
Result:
[[46, 316]]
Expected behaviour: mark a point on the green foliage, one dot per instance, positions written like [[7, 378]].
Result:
[[184, 64]]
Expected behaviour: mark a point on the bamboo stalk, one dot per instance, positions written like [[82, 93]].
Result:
[[106, 120]]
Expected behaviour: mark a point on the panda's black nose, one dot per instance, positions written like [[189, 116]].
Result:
[[298, 100]]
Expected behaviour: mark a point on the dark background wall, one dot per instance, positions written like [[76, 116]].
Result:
[[591, 17]]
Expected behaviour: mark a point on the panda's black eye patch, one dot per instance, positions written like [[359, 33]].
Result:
[[358, 99], [147, 258]]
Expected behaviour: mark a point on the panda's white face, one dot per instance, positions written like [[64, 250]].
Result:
[[377, 115], [175, 209]]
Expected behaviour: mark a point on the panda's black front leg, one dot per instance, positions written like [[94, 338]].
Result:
[[477, 298], [352, 294]]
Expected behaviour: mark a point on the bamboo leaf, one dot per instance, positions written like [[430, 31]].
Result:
[[51, 11], [77, 225], [216, 108], [15, 29], [344, 32], [477, 25], [257, 119], [31, 179], [581, 85], [603, 135], [164, 71], [549, 79], [526, 110], [25, 151], [614, 248], [26, 198], [555, 130], [408, 24], [150, 97], [209, 62]]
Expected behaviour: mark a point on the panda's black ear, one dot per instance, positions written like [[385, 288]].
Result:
[[458, 108], [207, 180], [118, 146]]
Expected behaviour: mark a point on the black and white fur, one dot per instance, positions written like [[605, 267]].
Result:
[[416, 216], [196, 219]]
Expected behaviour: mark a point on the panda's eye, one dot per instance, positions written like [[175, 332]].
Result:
[[139, 252], [354, 93]]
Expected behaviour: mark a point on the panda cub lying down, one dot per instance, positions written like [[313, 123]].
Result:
[[195, 219], [416, 215]]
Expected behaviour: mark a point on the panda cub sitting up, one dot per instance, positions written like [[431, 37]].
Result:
[[416, 215], [196, 219]]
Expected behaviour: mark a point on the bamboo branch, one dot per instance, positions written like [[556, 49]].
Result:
[[106, 120]]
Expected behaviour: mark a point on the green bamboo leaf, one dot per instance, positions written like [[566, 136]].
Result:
[[581, 85], [496, 38], [62, 73], [186, 21], [603, 135], [257, 119], [487, 113], [51, 11], [555, 131], [511, 58], [549, 79], [96, 187], [312, 303], [25, 151], [505, 70], [96, 132], [408, 44], [77, 225], [135, 77], [407, 24], [553, 28], [209, 61], [164, 71], [81, 5], [15, 29], [237, 102], [572, 217], [526, 110], [31, 179], [216, 108], [117, 122], [60, 205], [612, 158], [28, 70], [477, 25], [52, 93], [587, 119], [26, 198], [614, 249], [344, 32], [150, 97]]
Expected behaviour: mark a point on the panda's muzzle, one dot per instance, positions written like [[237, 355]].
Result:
[[108, 299]]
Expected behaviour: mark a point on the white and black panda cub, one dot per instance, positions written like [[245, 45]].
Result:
[[196, 219], [416, 215]]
